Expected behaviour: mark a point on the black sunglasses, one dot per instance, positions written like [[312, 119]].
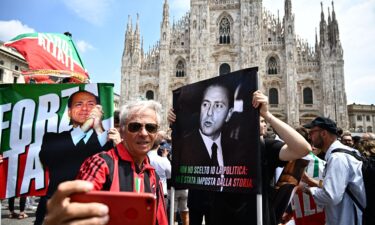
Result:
[[136, 127]]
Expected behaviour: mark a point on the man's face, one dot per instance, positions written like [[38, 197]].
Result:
[[141, 141], [263, 126], [347, 140], [82, 104], [214, 111], [316, 137]]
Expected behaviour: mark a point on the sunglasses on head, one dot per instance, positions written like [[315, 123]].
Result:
[[136, 127]]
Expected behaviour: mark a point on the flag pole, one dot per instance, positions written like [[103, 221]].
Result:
[[171, 207], [259, 210]]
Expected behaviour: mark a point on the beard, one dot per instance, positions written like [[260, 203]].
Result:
[[318, 143]]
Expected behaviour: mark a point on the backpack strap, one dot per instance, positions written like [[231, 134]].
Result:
[[352, 153], [355, 200], [347, 190]]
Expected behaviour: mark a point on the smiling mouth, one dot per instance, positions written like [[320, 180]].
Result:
[[143, 142]]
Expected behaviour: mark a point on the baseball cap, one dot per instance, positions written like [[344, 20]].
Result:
[[324, 123], [165, 145]]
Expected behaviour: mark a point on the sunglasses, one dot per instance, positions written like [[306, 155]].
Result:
[[136, 127]]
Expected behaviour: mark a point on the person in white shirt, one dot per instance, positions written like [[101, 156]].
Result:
[[342, 172], [161, 163]]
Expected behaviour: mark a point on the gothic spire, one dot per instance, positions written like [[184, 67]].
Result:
[[329, 17], [142, 51], [128, 37], [166, 13], [334, 29], [129, 27], [288, 9], [137, 35], [316, 40], [333, 12], [323, 27]]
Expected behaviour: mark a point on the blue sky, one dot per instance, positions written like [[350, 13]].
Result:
[[98, 28]]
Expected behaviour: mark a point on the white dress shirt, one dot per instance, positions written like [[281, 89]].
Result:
[[77, 134], [341, 170], [208, 143]]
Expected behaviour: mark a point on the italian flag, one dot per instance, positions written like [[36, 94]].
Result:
[[52, 58]]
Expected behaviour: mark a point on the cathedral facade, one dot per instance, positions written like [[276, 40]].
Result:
[[219, 36]]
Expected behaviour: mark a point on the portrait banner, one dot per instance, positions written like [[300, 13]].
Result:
[[216, 134], [27, 112]]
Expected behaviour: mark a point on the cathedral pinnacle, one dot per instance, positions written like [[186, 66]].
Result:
[[166, 13], [288, 9]]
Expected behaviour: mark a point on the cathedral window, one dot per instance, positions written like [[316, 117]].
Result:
[[150, 95], [1, 62], [224, 31], [1, 74], [273, 96], [369, 129], [224, 69], [307, 96], [360, 129], [272, 66], [180, 69], [359, 117]]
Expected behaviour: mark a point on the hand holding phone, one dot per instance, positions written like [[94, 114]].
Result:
[[124, 207]]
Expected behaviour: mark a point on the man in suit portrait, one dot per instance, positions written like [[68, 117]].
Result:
[[63, 153], [206, 146]]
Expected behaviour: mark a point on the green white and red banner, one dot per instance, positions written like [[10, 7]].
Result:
[[27, 112], [52, 57]]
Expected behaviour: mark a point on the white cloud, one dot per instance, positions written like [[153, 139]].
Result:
[[12, 28], [93, 11], [360, 89], [83, 46], [179, 8]]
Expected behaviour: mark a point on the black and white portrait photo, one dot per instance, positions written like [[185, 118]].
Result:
[[216, 134]]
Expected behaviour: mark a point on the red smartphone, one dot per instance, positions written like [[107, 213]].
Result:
[[124, 207]]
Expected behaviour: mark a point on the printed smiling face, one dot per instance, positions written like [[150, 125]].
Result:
[[215, 111], [140, 132], [81, 105]]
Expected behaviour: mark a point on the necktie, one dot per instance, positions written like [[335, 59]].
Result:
[[214, 161], [80, 144]]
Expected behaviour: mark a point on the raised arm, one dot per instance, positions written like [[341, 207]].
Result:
[[295, 145]]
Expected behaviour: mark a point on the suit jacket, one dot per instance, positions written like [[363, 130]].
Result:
[[63, 159], [192, 150]]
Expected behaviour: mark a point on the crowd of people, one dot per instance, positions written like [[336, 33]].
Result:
[[96, 159]]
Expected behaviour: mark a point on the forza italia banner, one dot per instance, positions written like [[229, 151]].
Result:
[[27, 112], [52, 58]]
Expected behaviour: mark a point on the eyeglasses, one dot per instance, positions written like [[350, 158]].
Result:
[[136, 127], [313, 131]]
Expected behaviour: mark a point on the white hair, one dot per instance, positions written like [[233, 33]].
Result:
[[134, 107]]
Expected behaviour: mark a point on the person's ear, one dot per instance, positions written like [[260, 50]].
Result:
[[229, 115]]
